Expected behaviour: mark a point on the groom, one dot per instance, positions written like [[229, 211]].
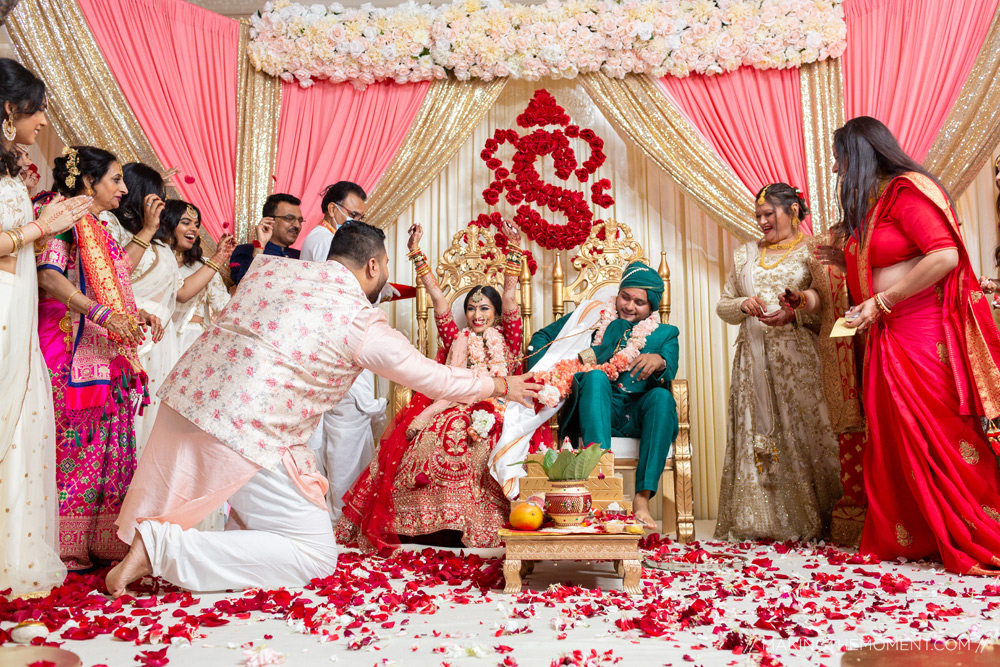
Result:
[[639, 403], [239, 407]]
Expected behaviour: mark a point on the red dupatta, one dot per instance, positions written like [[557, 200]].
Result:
[[971, 335]]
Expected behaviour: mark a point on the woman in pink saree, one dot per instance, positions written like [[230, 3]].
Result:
[[89, 329], [931, 360]]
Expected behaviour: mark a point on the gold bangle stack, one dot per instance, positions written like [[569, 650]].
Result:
[[880, 302], [212, 265], [802, 300], [139, 242], [419, 260], [17, 238], [513, 264]]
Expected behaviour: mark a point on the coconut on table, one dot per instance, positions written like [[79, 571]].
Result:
[[572, 483]]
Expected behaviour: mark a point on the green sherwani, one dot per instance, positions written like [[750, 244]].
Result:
[[596, 409]]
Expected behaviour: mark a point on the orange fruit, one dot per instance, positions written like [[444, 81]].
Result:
[[526, 516]]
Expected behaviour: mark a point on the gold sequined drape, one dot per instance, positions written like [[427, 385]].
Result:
[[822, 86], [972, 129], [448, 115], [641, 114], [86, 106], [258, 99]]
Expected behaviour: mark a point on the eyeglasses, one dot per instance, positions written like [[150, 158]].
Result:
[[290, 219], [353, 215]]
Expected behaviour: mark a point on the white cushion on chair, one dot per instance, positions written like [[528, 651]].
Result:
[[625, 448]]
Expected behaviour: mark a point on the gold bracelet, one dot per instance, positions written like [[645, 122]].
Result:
[[139, 242], [17, 237], [72, 294], [212, 265], [802, 300]]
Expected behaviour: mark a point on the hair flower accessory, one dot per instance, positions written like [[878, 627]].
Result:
[[72, 165]]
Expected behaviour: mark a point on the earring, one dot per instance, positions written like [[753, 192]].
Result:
[[795, 222], [9, 131]]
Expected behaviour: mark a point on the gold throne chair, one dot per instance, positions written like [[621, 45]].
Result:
[[599, 263], [473, 258]]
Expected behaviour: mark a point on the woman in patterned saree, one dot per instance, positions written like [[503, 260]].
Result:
[[782, 473], [432, 473], [931, 355], [89, 329]]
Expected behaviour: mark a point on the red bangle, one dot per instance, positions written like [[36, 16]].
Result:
[[256, 244], [506, 387]]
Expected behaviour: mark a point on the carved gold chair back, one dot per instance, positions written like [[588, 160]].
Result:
[[600, 263]]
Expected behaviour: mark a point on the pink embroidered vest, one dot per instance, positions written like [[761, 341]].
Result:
[[276, 358]]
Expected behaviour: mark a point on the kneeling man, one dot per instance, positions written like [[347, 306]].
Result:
[[638, 404], [238, 410]]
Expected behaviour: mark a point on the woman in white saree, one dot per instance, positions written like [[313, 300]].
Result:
[[204, 293], [781, 478], [28, 525]]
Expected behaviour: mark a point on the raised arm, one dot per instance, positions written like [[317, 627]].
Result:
[[152, 207], [512, 274], [424, 273], [199, 280]]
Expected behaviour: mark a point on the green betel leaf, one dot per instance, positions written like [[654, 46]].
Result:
[[585, 462], [549, 458], [557, 471]]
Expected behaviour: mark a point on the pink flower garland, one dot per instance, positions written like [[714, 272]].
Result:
[[560, 378], [488, 352]]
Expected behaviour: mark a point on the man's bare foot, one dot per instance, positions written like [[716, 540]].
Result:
[[134, 566], [640, 505]]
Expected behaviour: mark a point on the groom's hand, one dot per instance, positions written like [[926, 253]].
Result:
[[521, 389], [647, 364]]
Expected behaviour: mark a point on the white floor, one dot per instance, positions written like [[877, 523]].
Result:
[[814, 590]]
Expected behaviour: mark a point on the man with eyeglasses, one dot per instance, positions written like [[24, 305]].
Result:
[[275, 233], [342, 201]]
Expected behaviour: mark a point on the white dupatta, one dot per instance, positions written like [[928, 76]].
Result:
[[753, 335], [20, 316], [520, 422]]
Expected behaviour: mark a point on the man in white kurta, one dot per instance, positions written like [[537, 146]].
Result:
[[240, 406], [345, 439]]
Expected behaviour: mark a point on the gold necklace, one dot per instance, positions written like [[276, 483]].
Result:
[[780, 246]]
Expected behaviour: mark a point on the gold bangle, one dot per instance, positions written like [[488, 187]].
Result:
[[17, 237], [139, 242], [72, 294], [802, 300], [212, 265]]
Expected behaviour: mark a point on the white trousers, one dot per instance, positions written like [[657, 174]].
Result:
[[345, 441], [275, 537]]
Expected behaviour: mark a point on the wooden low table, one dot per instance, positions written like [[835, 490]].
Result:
[[523, 548]]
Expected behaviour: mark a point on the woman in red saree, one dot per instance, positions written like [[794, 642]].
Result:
[[431, 472], [931, 360]]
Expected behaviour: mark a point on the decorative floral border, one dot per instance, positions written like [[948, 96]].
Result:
[[559, 39]]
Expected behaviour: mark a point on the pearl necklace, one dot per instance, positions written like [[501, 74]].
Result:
[[780, 246]]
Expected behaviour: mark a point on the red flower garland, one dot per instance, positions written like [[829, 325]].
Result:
[[524, 186]]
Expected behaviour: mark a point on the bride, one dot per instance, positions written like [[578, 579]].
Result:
[[431, 473]]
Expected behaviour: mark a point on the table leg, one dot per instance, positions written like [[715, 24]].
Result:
[[633, 570], [512, 575], [619, 568]]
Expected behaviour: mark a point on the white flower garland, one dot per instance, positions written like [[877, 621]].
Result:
[[487, 352], [494, 38]]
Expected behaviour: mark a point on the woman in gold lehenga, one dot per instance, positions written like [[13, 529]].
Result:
[[432, 470], [782, 474]]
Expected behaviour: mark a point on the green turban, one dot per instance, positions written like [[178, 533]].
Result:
[[640, 276]]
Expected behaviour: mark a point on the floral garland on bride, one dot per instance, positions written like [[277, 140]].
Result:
[[487, 353], [559, 381], [486, 39]]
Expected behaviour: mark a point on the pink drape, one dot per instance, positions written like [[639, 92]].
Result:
[[332, 132], [176, 64], [753, 120], [907, 60]]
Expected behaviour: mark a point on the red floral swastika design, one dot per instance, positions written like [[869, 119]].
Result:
[[522, 186]]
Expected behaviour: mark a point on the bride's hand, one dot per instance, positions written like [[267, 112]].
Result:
[[416, 232], [511, 232]]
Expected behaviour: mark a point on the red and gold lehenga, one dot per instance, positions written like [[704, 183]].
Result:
[[429, 473], [930, 372]]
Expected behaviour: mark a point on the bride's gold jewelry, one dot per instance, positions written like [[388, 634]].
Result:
[[790, 245], [763, 193]]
